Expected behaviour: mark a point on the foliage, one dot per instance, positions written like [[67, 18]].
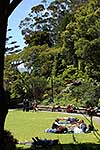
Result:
[[51, 19], [61, 56], [13, 80], [81, 38], [38, 38], [87, 93], [9, 141]]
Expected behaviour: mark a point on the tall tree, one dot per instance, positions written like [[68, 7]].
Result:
[[6, 9], [51, 19], [82, 37]]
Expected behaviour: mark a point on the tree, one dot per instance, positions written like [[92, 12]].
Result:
[[38, 38], [6, 9], [82, 37], [51, 19], [11, 46], [13, 80]]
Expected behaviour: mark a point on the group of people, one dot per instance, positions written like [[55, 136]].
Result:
[[25, 105], [74, 125]]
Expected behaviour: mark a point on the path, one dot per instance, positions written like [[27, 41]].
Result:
[[96, 119]]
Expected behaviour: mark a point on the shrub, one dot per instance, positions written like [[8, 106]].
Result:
[[9, 141]]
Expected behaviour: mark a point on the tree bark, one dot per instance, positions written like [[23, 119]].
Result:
[[3, 99], [3, 113], [6, 8]]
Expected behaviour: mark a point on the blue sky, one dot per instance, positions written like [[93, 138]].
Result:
[[19, 14]]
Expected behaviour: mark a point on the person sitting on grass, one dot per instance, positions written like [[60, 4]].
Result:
[[82, 125], [89, 128]]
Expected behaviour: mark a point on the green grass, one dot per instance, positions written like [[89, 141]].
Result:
[[25, 125]]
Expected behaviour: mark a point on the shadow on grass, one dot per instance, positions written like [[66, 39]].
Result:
[[83, 146], [71, 146]]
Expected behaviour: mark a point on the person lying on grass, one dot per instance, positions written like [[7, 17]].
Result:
[[68, 120], [78, 127], [57, 128]]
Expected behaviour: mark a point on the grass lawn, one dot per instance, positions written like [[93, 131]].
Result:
[[25, 125]]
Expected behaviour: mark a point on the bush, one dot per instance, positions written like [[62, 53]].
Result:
[[9, 141]]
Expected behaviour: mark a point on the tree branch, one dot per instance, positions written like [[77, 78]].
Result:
[[13, 5]]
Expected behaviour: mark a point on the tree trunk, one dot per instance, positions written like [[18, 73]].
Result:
[[6, 8], [3, 97]]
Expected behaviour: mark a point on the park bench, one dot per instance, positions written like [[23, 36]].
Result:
[[59, 109], [98, 113], [84, 111], [51, 108], [79, 110], [44, 108]]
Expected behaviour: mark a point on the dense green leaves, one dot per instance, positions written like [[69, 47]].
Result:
[[82, 35], [62, 54]]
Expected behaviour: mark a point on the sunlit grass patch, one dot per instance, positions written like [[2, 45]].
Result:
[[25, 125]]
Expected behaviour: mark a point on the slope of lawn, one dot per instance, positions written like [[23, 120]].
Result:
[[25, 125]]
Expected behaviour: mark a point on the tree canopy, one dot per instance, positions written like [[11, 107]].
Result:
[[62, 52]]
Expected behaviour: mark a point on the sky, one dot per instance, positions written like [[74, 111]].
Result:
[[19, 14]]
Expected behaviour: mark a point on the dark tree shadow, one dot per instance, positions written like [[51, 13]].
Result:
[[71, 146]]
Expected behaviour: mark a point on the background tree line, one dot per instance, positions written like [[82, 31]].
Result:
[[61, 54]]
